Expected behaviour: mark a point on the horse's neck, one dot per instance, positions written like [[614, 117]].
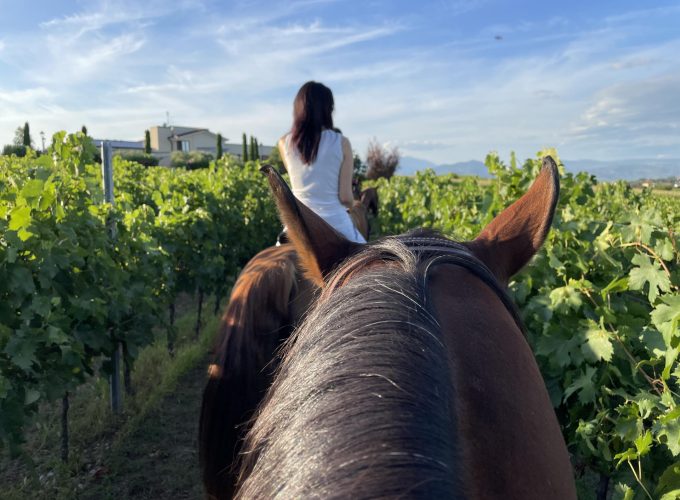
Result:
[[506, 423]]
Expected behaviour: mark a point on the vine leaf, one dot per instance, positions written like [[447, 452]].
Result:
[[598, 345], [667, 429], [584, 386], [21, 352], [669, 483], [648, 272]]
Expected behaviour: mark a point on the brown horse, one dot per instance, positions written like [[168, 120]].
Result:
[[411, 375], [268, 300], [369, 198]]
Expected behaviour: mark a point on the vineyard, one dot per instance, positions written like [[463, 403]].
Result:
[[601, 301]]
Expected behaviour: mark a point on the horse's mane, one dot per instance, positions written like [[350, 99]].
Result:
[[362, 404]]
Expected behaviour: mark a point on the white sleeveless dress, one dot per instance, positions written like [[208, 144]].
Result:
[[317, 185]]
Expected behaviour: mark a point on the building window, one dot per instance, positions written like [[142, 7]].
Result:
[[183, 146]]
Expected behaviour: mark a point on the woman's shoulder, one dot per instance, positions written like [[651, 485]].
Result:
[[334, 134]]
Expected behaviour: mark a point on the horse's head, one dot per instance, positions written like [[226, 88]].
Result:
[[410, 374], [505, 245]]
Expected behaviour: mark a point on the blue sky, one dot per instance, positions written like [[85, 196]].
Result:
[[443, 80]]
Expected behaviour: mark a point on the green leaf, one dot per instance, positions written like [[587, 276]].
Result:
[[20, 218], [668, 487], [22, 280], [653, 342], [21, 352], [671, 356], [584, 386], [616, 285], [667, 429], [665, 249], [643, 443], [32, 191], [623, 492], [5, 386], [42, 305], [650, 273], [625, 456], [598, 345], [666, 317], [31, 396], [565, 298]]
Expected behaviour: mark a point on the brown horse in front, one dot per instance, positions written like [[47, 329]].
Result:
[[268, 300], [411, 376]]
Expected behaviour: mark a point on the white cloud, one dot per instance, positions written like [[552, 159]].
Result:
[[114, 68], [24, 96]]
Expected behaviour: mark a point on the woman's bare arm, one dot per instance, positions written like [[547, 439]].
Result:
[[346, 171]]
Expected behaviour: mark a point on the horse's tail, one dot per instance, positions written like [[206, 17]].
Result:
[[256, 321]]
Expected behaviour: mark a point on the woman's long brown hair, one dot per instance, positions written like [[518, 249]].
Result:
[[312, 112]]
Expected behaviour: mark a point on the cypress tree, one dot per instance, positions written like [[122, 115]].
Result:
[[244, 154], [252, 148], [219, 146], [147, 142], [27, 136], [257, 148]]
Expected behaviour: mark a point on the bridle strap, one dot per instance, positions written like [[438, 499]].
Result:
[[450, 252]]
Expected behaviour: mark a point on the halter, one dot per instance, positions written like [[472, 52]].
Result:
[[451, 252]]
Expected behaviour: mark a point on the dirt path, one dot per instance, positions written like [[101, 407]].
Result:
[[160, 459]]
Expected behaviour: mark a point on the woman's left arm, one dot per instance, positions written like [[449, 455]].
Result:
[[346, 171]]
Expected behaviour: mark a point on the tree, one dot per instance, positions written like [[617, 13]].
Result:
[[219, 146], [142, 158], [253, 153], [147, 142], [18, 136], [382, 162], [359, 168], [244, 152], [14, 149], [27, 136]]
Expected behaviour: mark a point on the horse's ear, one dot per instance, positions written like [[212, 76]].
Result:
[[509, 241], [320, 248]]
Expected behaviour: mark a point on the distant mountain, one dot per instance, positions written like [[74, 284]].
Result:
[[408, 165], [629, 170], [471, 167], [604, 170]]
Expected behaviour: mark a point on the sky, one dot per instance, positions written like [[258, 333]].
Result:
[[443, 80]]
